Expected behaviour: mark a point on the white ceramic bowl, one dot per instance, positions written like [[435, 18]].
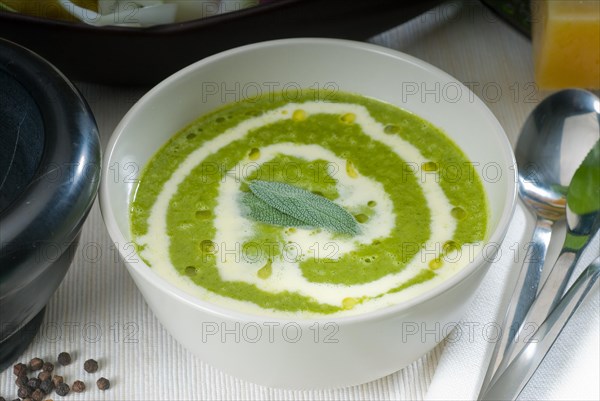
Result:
[[323, 353]]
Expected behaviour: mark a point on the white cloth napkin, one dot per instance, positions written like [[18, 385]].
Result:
[[571, 369]]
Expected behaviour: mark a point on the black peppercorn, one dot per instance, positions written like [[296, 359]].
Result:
[[64, 358], [24, 392], [56, 380], [21, 381], [47, 386], [62, 389], [48, 367], [38, 395], [19, 369], [78, 386], [44, 375], [33, 383], [36, 364], [90, 366], [103, 384]]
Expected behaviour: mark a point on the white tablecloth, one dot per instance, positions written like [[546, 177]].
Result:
[[98, 313]]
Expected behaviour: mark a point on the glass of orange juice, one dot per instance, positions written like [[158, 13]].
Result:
[[566, 43]]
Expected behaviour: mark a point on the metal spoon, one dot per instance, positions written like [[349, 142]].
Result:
[[512, 380], [553, 142], [583, 221]]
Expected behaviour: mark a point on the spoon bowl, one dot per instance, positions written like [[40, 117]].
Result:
[[553, 142]]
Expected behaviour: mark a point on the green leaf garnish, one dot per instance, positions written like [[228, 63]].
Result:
[[282, 204], [584, 191], [261, 211]]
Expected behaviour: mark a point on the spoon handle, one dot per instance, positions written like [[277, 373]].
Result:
[[513, 379], [523, 294], [548, 297]]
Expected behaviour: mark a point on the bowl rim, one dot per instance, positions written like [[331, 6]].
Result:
[[456, 279]]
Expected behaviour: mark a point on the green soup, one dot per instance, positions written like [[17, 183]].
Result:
[[419, 204]]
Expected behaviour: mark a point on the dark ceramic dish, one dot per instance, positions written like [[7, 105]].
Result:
[[121, 55], [49, 174]]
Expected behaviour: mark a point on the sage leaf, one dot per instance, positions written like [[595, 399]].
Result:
[[310, 209], [584, 190], [258, 210]]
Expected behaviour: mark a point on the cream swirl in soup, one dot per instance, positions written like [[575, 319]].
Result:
[[418, 202]]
